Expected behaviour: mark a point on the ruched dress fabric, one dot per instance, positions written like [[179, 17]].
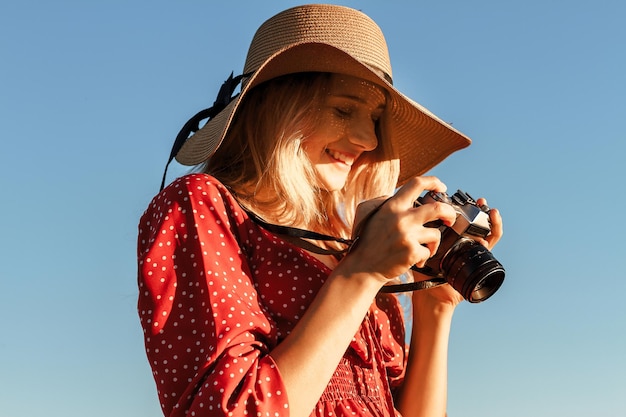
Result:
[[217, 293]]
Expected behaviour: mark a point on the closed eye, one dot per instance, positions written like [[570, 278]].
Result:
[[343, 112]]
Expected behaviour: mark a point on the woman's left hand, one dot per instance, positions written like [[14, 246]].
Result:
[[496, 226], [445, 295]]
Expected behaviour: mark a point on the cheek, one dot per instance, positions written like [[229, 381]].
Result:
[[330, 129], [335, 126], [313, 147], [326, 132]]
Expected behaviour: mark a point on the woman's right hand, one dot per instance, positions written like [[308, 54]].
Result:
[[395, 238]]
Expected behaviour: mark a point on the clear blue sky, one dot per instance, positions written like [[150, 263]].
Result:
[[92, 94]]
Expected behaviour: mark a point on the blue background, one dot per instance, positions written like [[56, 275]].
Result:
[[93, 93]]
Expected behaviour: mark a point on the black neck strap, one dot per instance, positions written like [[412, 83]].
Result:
[[298, 238], [413, 286]]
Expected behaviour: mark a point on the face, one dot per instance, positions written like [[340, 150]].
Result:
[[345, 128]]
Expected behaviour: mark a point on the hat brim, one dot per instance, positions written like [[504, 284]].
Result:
[[420, 138]]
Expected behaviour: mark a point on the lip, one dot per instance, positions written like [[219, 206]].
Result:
[[340, 157]]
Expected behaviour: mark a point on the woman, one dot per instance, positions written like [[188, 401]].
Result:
[[248, 307]]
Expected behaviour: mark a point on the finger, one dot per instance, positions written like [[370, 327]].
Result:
[[421, 261], [483, 242], [482, 203], [496, 227], [409, 192], [425, 251], [432, 212]]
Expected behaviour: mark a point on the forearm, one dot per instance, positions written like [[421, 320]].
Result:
[[424, 392], [308, 357]]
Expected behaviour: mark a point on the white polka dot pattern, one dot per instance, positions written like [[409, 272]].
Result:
[[217, 293]]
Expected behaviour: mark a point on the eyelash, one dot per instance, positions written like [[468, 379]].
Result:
[[343, 111]]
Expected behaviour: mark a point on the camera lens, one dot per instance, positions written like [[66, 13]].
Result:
[[473, 271]]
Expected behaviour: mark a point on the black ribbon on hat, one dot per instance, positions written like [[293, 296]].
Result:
[[224, 97]]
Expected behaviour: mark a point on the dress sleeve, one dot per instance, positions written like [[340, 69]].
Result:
[[206, 335]]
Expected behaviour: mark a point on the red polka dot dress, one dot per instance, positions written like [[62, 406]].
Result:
[[217, 293]]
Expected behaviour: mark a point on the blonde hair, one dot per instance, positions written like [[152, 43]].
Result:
[[262, 160]]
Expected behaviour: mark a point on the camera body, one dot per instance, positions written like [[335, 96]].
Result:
[[471, 220], [465, 264]]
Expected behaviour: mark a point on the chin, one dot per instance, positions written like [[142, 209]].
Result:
[[332, 181], [332, 186]]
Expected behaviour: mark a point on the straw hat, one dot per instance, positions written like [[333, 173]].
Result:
[[334, 39]]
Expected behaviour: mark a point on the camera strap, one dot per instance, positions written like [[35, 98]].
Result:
[[298, 237], [413, 286]]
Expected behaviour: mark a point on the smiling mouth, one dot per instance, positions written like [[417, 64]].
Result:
[[340, 157]]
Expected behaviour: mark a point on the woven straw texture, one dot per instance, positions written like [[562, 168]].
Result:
[[341, 40]]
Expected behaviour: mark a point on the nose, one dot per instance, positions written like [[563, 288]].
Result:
[[363, 135]]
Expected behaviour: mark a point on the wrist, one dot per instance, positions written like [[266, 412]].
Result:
[[429, 307], [352, 267]]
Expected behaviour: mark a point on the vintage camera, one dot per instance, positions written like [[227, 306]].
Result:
[[465, 264]]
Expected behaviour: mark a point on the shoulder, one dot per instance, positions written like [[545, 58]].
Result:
[[192, 189], [192, 185], [194, 197]]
